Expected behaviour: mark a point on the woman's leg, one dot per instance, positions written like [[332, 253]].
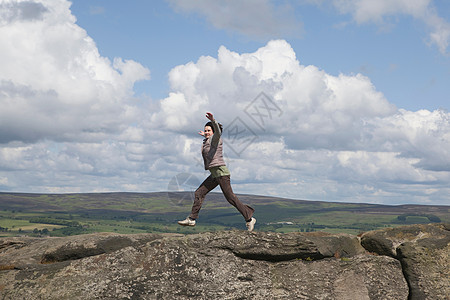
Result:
[[208, 185], [225, 185]]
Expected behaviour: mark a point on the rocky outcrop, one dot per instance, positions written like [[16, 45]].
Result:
[[226, 265], [423, 251]]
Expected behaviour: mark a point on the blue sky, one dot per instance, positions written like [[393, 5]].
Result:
[[108, 95]]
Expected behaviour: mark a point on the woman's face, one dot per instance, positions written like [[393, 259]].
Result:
[[208, 131]]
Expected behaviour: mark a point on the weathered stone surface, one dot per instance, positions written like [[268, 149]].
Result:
[[29, 251], [228, 265], [280, 247], [424, 252]]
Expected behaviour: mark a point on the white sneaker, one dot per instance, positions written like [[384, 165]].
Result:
[[187, 222], [250, 225]]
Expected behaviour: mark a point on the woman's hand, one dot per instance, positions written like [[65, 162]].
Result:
[[201, 133], [209, 116]]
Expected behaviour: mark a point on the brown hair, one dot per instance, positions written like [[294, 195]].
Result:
[[212, 127]]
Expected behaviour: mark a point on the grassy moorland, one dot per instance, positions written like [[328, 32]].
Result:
[[69, 214]]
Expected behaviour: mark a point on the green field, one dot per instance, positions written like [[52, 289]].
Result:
[[128, 213]]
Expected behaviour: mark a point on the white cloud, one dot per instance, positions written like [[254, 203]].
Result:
[[375, 11], [254, 18], [364, 11], [96, 10], [53, 82], [11, 11], [423, 135], [269, 19], [335, 132]]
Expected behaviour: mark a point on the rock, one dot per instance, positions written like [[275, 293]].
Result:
[[274, 247], [424, 252], [228, 265], [85, 246], [29, 251]]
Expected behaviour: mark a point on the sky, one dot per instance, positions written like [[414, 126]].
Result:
[[339, 100]]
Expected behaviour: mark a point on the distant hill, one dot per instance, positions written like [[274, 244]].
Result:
[[69, 214]]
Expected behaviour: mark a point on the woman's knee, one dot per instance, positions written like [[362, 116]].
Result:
[[200, 193]]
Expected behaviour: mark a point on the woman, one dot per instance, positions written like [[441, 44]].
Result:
[[220, 175]]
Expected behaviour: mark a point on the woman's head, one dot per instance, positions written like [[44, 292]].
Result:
[[209, 129]]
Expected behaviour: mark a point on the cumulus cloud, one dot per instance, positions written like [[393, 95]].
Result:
[[423, 135], [321, 110], [254, 18], [21, 11], [336, 130], [53, 82]]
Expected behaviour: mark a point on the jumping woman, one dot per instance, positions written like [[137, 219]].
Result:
[[220, 175]]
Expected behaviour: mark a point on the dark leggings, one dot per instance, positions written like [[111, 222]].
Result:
[[208, 185]]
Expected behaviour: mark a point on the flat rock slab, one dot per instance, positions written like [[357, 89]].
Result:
[[228, 265]]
